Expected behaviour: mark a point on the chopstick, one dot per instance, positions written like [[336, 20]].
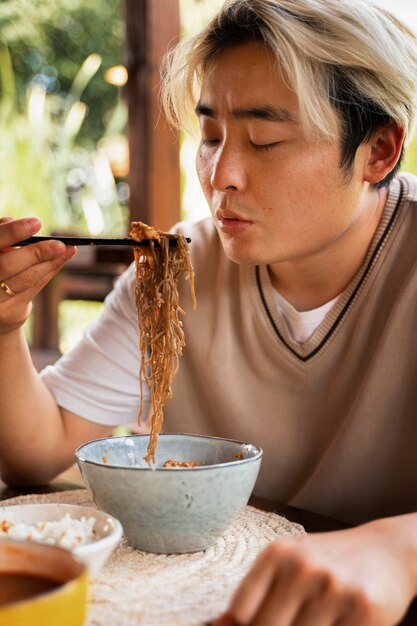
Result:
[[95, 241]]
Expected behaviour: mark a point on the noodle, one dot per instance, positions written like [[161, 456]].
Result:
[[161, 337], [172, 463]]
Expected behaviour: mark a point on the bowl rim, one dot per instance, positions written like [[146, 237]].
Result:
[[113, 536], [63, 588], [154, 468]]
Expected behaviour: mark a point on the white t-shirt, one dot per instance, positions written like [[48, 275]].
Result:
[[302, 324], [99, 379]]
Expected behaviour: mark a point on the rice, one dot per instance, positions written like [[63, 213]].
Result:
[[67, 532]]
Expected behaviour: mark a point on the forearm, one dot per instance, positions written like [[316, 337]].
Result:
[[32, 435], [364, 575], [399, 534]]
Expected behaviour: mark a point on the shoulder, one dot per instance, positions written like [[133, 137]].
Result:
[[203, 235], [206, 250], [216, 276], [409, 186], [207, 257], [204, 247]]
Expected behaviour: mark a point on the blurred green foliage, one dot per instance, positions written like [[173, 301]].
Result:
[[59, 119], [74, 315], [195, 14], [49, 40], [410, 157], [44, 171]]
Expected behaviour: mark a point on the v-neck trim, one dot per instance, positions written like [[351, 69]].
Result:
[[324, 332]]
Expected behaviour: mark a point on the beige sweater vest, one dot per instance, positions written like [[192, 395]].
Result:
[[337, 416]]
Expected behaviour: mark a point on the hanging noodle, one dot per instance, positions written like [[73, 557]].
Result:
[[161, 337]]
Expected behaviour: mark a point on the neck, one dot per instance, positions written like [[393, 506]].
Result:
[[310, 281]]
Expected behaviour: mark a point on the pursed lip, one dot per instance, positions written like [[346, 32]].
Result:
[[225, 215], [230, 223]]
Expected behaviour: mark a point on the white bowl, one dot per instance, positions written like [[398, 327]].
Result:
[[93, 554], [171, 509]]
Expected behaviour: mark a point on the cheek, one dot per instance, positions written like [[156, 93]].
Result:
[[200, 167], [319, 178], [203, 172]]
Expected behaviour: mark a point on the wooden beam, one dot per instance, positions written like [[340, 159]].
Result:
[[154, 178]]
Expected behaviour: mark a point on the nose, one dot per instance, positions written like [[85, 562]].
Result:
[[228, 169]]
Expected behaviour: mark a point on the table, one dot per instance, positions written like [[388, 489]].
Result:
[[312, 522]]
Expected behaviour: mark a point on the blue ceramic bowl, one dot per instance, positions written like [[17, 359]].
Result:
[[175, 509]]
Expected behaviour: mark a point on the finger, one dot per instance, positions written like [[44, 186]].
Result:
[[323, 610], [224, 620], [273, 569], [30, 281], [12, 231], [6, 289], [295, 590], [279, 608], [17, 260]]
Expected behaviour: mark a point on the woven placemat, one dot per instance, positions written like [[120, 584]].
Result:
[[138, 588]]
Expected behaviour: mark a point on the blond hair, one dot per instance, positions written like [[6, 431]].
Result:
[[350, 62]]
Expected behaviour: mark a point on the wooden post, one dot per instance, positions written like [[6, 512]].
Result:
[[152, 26], [45, 329], [154, 177]]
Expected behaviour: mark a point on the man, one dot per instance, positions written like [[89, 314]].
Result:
[[302, 341]]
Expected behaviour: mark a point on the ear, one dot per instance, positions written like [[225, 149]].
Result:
[[385, 149]]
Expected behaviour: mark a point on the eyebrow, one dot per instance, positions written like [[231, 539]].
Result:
[[266, 112]]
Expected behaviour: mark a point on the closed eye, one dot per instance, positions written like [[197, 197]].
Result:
[[209, 142], [264, 147]]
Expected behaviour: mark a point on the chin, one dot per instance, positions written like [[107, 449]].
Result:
[[243, 255]]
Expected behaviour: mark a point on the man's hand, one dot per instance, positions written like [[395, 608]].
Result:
[[25, 271], [365, 576]]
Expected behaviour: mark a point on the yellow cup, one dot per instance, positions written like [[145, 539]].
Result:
[[26, 567]]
